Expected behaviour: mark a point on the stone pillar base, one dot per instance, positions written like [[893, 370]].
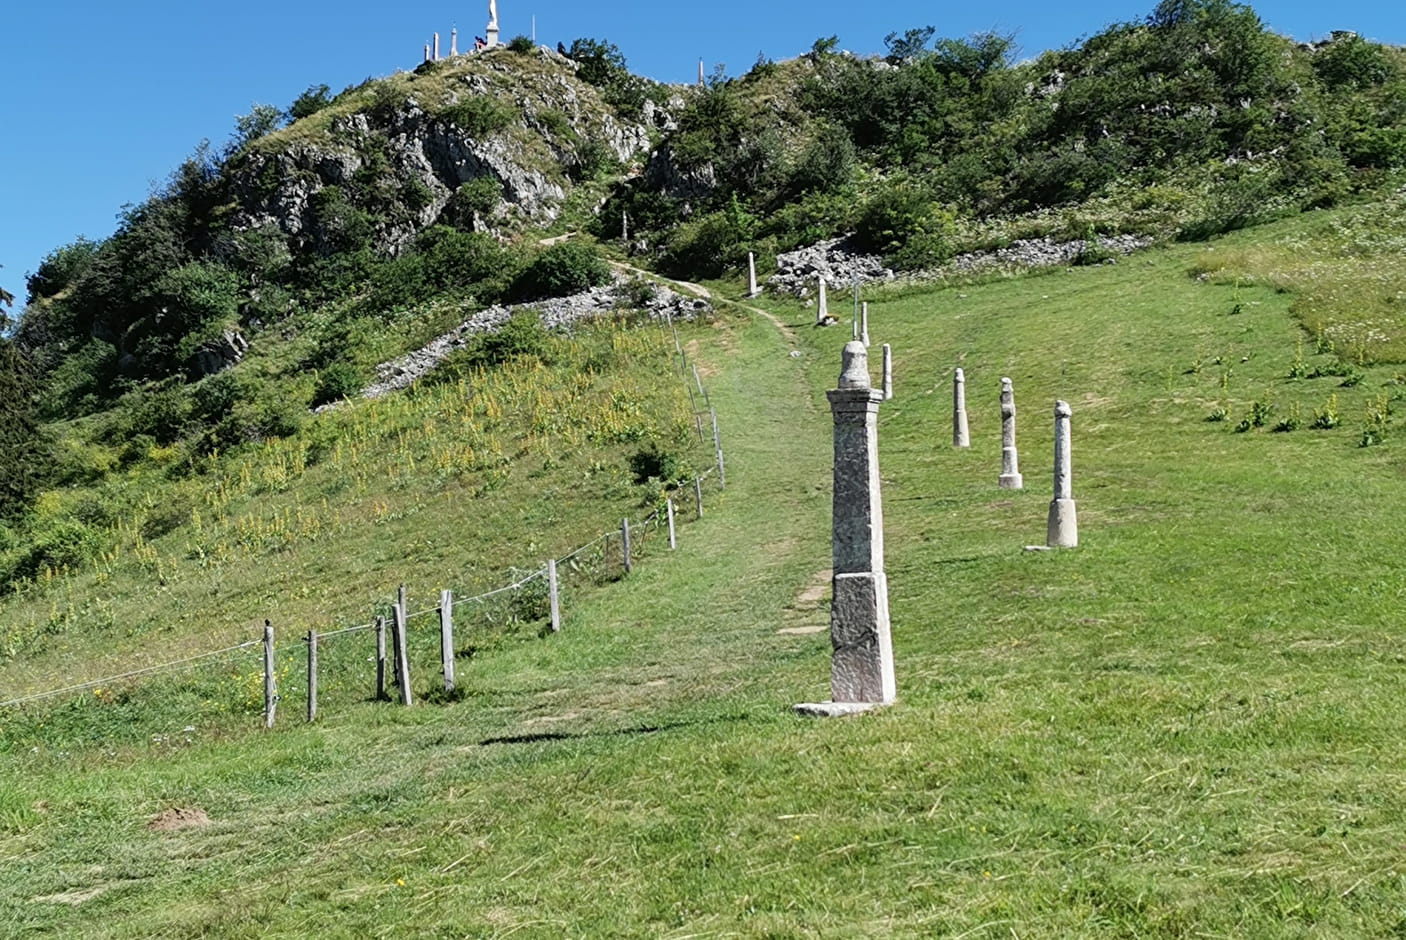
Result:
[[861, 664], [834, 709], [1062, 530], [1011, 481]]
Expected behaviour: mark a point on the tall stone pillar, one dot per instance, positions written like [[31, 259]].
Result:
[[1010, 464], [1062, 530], [960, 436], [861, 665], [864, 323], [752, 275], [454, 41], [436, 47], [822, 305]]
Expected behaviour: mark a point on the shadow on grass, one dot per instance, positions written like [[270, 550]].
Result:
[[543, 736]]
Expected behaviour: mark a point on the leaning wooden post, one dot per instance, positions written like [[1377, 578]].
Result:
[[625, 543], [552, 596], [446, 637], [402, 654], [312, 675], [669, 511], [270, 691], [861, 665], [698, 495], [718, 451], [380, 658]]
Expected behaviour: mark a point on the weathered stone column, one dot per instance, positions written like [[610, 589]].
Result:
[[888, 372], [427, 52], [861, 666], [864, 323], [1010, 463], [1062, 530], [822, 306], [436, 47], [960, 435], [752, 275], [454, 41]]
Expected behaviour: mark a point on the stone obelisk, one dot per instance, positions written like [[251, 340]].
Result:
[[861, 664], [822, 305], [752, 275], [1010, 478], [490, 33], [1062, 530], [960, 435]]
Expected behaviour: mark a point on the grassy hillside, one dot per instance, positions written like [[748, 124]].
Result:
[[1184, 727]]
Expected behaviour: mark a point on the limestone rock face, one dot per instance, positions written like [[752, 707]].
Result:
[[401, 165], [219, 354]]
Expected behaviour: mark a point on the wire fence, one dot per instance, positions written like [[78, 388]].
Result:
[[356, 663]]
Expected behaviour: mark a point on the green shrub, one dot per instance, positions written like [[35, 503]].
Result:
[[479, 115], [340, 380], [521, 44], [58, 543], [563, 269], [654, 463]]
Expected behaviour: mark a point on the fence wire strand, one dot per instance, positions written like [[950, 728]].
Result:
[[148, 670]]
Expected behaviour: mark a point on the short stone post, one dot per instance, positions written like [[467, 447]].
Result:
[[270, 688], [1010, 465], [864, 323], [446, 638], [312, 675], [1062, 530], [553, 596], [960, 436], [861, 666], [401, 620], [625, 543], [822, 306], [888, 372], [669, 512], [752, 275]]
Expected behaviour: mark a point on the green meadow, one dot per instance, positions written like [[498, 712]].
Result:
[[1187, 726]]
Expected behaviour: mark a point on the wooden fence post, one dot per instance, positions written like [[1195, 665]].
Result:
[[552, 595], [718, 451], [698, 495], [380, 658], [446, 637], [402, 654], [625, 543], [270, 691], [669, 510], [312, 675]]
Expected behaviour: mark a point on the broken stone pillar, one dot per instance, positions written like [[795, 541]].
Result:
[[1010, 465], [427, 52], [960, 436], [861, 665], [888, 372], [752, 275], [864, 323], [822, 306], [1062, 530]]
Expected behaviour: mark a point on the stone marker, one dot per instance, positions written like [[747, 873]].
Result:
[[454, 41], [490, 34], [1062, 530], [1010, 465], [436, 47], [864, 323], [960, 436], [822, 306], [427, 52], [888, 372], [854, 331], [752, 275], [700, 73], [861, 665]]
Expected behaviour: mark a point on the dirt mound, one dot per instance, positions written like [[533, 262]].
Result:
[[177, 817]]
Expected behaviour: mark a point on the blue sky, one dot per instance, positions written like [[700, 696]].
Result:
[[101, 101]]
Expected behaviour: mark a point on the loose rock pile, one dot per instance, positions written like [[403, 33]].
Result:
[[555, 313], [840, 264], [836, 260]]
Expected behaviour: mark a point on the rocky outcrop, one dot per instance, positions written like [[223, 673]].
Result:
[[836, 260], [401, 165], [219, 354]]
